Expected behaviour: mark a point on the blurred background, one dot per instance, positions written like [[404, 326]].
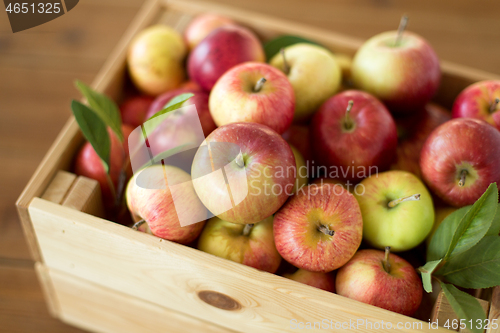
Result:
[[38, 67]]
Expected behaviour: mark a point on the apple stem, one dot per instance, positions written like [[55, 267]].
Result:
[[247, 229], [463, 174], [286, 66], [259, 84], [138, 224], [493, 105], [394, 203], [324, 229], [385, 262], [402, 26], [348, 121], [239, 161]]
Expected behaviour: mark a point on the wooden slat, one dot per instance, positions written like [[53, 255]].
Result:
[[444, 314], [48, 290], [171, 276], [92, 307], [85, 196], [494, 315], [59, 187]]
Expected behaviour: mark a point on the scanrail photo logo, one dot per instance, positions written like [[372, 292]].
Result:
[[28, 14]]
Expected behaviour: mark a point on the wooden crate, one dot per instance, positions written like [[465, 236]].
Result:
[[105, 277]]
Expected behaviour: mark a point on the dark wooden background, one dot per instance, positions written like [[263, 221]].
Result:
[[38, 67]]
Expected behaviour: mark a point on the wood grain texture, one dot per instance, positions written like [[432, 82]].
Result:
[[444, 314], [59, 186], [38, 66], [92, 307], [85, 196], [494, 314], [171, 275]]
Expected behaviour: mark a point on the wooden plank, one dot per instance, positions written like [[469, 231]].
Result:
[[92, 307], [444, 314], [85, 196], [494, 315], [59, 187], [172, 276], [48, 290]]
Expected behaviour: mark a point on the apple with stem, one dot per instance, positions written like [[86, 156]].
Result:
[[253, 92], [398, 67], [355, 134], [412, 133], [201, 26], [243, 172], [313, 73], [319, 229], [324, 281], [381, 279], [480, 100], [221, 50], [164, 197], [247, 244], [397, 210], [460, 159]]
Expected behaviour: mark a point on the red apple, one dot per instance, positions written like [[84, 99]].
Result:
[[325, 281], [481, 101], [200, 100], [298, 136], [319, 229], [253, 92], [201, 26], [89, 164], [152, 196], [222, 49], [403, 72], [249, 244], [190, 85], [134, 109], [412, 133], [460, 159], [244, 187], [388, 282], [353, 135]]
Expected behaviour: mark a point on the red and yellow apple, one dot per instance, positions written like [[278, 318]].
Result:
[[324, 281], [386, 281], [201, 26], [253, 92], [460, 159], [319, 229], [247, 244]]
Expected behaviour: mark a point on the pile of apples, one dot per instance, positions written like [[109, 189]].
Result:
[[378, 154]]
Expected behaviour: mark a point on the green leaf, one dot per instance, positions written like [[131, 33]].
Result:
[[478, 267], [104, 107], [441, 240], [426, 272], [495, 225], [476, 222], [173, 104], [465, 306], [272, 47], [94, 130]]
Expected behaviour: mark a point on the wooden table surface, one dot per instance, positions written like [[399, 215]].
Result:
[[38, 67]]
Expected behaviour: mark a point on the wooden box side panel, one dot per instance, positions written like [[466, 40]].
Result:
[[92, 307], [172, 276]]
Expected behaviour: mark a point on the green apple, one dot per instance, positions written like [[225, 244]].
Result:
[[248, 244], [314, 74], [302, 172], [397, 210]]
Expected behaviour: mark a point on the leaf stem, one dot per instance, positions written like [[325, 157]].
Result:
[[385, 263], [347, 118], [259, 84], [247, 229], [493, 105], [138, 224], [326, 230], [463, 174]]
